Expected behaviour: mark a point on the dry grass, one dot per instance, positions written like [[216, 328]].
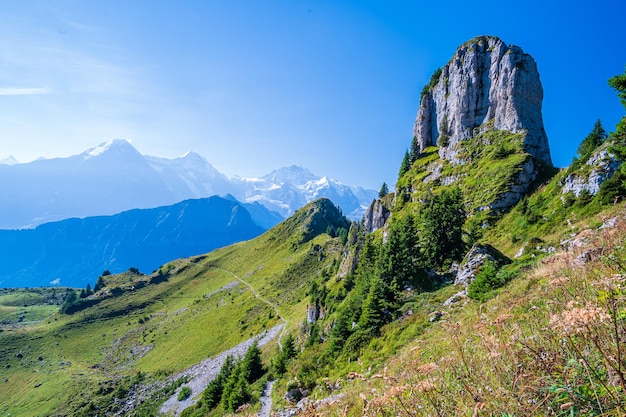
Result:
[[553, 344]]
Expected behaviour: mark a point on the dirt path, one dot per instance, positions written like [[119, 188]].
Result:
[[266, 400], [201, 374], [269, 303]]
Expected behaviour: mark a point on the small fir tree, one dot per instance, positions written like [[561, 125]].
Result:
[[592, 141], [406, 164], [384, 190]]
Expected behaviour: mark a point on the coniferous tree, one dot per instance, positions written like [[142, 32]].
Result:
[[442, 228], [99, 283], [405, 165], [399, 260], [415, 150], [70, 299], [212, 395], [618, 82], [236, 389], [373, 310], [252, 363], [340, 332], [384, 190], [287, 353], [592, 141]]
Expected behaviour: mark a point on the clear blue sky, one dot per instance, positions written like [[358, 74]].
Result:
[[255, 85]]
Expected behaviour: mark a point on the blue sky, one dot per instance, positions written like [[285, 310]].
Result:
[[256, 85]]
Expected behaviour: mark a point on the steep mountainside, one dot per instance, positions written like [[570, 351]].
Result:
[[73, 252], [485, 86]]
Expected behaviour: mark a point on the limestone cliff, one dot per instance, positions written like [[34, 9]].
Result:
[[601, 166], [487, 85], [376, 216]]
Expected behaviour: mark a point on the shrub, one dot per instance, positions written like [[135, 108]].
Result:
[[488, 279], [184, 393]]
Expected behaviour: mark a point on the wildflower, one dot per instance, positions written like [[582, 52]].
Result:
[[577, 320], [558, 281], [427, 369], [424, 386], [501, 319]]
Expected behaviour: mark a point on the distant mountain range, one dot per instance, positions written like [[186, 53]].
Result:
[[75, 252], [114, 177]]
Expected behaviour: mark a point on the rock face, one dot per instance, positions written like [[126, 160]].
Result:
[[486, 85], [376, 216], [600, 167], [473, 261]]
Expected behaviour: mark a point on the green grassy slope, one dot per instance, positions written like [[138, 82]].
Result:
[[145, 333]]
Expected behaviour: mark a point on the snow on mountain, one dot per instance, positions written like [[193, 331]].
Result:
[[114, 177], [9, 160], [191, 172], [287, 189]]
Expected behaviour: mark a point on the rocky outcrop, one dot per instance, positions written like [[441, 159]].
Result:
[[600, 167], [376, 216], [487, 85], [474, 260], [525, 176]]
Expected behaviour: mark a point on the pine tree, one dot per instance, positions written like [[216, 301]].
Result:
[[212, 395], [99, 283], [592, 141], [618, 82], [373, 314], [415, 150], [442, 228], [252, 363], [70, 299], [340, 332], [384, 190], [236, 389], [399, 263], [405, 165]]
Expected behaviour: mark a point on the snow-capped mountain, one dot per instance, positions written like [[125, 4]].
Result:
[[9, 160], [287, 189], [114, 177]]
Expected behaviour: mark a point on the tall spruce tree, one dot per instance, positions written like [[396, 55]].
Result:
[[592, 141], [373, 314], [384, 190], [442, 228], [405, 165], [252, 363]]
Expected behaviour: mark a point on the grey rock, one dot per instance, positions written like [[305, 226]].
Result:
[[473, 260], [312, 313], [456, 298], [519, 187], [603, 166], [376, 216], [486, 85]]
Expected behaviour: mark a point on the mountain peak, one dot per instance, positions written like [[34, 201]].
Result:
[[113, 147], [312, 220], [486, 85], [9, 160], [191, 155], [294, 174]]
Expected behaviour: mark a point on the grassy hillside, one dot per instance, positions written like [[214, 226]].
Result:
[[145, 328], [551, 342]]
